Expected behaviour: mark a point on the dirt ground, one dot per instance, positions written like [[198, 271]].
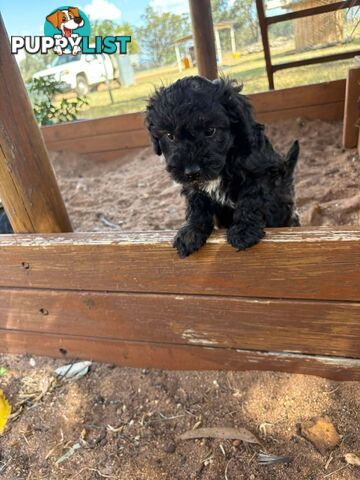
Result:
[[120, 423], [139, 195]]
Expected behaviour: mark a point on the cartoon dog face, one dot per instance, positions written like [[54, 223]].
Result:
[[66, 20]]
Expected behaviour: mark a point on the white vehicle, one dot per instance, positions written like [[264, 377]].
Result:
[[79, 72]]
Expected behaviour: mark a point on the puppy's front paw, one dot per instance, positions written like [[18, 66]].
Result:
[[244, 236], [188, 240]]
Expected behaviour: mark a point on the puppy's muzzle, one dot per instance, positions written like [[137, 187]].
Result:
[[78, 20], [192, 173]]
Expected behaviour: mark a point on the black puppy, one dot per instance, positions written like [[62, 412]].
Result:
[[228, 168]]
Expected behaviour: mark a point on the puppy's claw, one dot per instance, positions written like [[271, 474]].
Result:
[[244, 236], [188, 240]]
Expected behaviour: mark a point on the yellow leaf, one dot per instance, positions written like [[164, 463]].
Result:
[[5, 411]]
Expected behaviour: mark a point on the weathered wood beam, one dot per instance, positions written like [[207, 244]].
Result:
[[203, 32], [352, 108], [176, 357], [298, 263], [310, 327], [28, 186]]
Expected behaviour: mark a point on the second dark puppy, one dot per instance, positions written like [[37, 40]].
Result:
[[228, 168]]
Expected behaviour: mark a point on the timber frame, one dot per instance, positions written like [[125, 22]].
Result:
[[291, 303]]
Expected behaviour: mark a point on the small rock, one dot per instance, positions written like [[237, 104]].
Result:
[[321, 432], [352, 459], [169, 447]]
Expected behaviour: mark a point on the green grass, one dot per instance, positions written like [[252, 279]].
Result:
[[249, 68]]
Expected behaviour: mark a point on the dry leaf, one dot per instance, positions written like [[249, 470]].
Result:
[[221, 432], [352, 459], [5, 411], [321, 432], [74, 371]]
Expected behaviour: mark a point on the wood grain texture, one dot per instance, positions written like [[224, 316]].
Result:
[[204, 39], [326, 112], [28, 186], [97, 126], [175, 357], [302, 263], [297, 97], [103, 143], [328, 328], [352, 109]]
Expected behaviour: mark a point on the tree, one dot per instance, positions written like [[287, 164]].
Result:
[[158, 34], [244, 13], [34, 63], [106, 28], [220, 10]]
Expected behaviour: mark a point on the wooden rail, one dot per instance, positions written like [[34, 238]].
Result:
[[291, 303], [115, 137]]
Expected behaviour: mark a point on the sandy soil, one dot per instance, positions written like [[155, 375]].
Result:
[[126, 421], [140, 196]]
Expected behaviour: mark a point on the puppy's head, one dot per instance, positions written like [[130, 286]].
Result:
[[196, 124], [69, 19]]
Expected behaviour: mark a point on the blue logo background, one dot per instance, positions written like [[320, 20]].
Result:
[[84, 31]]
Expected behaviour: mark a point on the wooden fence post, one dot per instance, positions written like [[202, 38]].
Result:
[[203, 31], [28, 187], [352, 108], [265, 42]]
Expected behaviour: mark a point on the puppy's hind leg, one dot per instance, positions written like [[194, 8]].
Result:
[[199, 224]]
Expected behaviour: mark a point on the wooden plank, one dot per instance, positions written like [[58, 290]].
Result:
[[290, 98], [103, 143], [328, 328], [175, 357], [302, 263], [89, 128], [124, 155], [327, 112], [352, 108], [28, 187], [204, 39]]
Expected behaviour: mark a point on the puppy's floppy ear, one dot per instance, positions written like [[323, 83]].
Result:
[[74, 11], [55, 18], [150, 124], [155, 143], [247, 132]]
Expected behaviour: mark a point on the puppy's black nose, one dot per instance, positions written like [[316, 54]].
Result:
[[192, 173], [78, 20]]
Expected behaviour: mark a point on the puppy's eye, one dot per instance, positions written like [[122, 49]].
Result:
[[170, 136], [210, 132]]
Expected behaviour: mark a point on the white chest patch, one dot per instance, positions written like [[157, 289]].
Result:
[[213, 189]]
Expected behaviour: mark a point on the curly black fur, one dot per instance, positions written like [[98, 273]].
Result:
[[229, 171], [5, 226]]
